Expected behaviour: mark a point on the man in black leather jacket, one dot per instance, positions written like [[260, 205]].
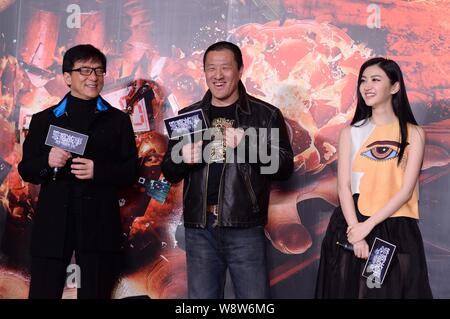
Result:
[[227, 180]]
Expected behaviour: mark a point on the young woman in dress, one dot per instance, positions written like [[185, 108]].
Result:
[[380, 157]]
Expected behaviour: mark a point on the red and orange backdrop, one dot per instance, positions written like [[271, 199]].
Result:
[[302, 56]]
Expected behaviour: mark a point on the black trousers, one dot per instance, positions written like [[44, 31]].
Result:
[[94, 273]]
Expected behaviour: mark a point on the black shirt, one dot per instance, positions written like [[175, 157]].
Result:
[[220, 117], [80, 114]]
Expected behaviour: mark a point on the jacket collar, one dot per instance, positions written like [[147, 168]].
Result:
[[60, 108], [242, 103]]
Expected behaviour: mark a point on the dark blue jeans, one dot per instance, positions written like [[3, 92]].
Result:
[[212, 250]]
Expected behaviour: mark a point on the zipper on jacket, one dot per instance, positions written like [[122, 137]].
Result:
[[220, 195], [247, 178], [205, 198], [250, 191], [187, 188]]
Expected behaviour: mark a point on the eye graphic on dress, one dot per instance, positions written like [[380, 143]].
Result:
[[382, 150]]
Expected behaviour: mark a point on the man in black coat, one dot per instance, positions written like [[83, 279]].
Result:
[[78, 207], [227, 178]]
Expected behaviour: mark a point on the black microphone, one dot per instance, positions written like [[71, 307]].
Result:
[[67, 140], [55, 171], [345, 246]]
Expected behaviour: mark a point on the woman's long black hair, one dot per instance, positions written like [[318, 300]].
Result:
[[400, 103]]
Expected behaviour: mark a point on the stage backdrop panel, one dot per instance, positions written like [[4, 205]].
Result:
[[302, 56]]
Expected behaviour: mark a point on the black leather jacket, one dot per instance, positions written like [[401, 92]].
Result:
[[243, 191]]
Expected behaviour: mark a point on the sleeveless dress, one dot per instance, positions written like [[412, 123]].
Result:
[[375, 179]]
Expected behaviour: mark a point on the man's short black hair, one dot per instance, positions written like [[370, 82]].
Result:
[[82, 52], [225, 45]]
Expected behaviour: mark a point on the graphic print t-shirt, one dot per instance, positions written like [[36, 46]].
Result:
[[221, 118]]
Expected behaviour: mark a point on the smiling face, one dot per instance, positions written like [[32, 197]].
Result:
[[376, 88], [82, 86], [222, 77]]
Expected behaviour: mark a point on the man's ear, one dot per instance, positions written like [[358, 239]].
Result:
[[395, 88], [241, 70], [67, 78]]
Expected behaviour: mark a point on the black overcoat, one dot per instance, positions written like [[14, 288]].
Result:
[[111, 145]]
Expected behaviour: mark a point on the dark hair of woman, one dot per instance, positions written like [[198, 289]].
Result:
[[400, 103]]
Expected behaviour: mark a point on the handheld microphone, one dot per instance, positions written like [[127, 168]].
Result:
[[345, 246], [67, 140]]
